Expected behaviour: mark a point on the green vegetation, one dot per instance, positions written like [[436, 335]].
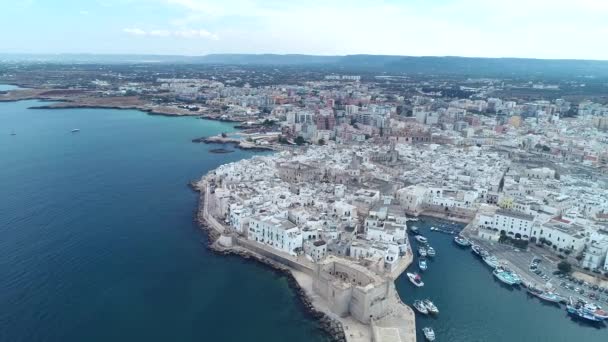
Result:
[[564, 267]]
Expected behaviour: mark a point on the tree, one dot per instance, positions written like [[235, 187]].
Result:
[[533, 239], [564, 267], [321, 141], [224, 135], [299, 140]]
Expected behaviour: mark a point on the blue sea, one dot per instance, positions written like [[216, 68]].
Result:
[[98, 243]]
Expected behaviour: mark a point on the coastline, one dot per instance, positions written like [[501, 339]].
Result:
[[333, 328], [67, 99]]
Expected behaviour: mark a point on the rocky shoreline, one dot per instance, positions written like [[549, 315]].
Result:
[[330, 326]]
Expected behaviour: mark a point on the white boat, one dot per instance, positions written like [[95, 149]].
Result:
[[75, 130], [491, 261], [430, 306], [420, 307], [415, 279], [429, 334], [430, 251], [461, 241], [422, 264], [596, 310], [422, 251], [414, 219], [421, 239]]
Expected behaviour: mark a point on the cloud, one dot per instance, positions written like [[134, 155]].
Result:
[[183, 33], [196, 34], [135, 31]]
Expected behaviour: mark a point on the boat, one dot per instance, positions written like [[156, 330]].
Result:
[[421, 239], [461, 241], [412, 219], [420, 307], [596, 310], [430, 306], [422, 251], [422, 264], [579, 310], [75, 130], [506, 276], [491, 261], [415, 279], [433, 229], [414, 229], [551, 297], [429, 334], [430, 251], [547, 296], [479, 251]]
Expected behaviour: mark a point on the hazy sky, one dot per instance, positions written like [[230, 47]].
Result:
[[488, 28]]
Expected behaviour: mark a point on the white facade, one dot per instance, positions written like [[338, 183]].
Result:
[[280, 234]]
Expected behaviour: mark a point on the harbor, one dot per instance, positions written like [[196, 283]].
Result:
[[476, 306]]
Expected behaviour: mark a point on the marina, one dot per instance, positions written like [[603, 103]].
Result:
[[537, 319]]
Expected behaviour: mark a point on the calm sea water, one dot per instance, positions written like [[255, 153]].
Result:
[[97, 240], [97, 243], [474, 306]]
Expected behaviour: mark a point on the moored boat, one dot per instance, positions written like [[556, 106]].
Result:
[[422, 251], [420, 307], [421, 239], [491, 261], [431, 251], [422, 264], [479, 251], [506, 276], [547, 296], [429, 334], [461, 241], [596, 311], [415, 279], [430, 306], [414, 229], [580, 312]]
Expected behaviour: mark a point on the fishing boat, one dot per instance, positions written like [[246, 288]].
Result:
[[429, 334], [582, 311], [479, 251], [415, 279], [547, 296], [75, 130], [506, 276], [430, 306], [430, 251], [596, 310], [422, 265], [491, 261], [422, 251], [420, 307], [461, 241], [421, 239]]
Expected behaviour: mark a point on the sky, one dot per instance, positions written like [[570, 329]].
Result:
[[475, 28]]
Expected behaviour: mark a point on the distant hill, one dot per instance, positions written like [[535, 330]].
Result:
[[375, 63]]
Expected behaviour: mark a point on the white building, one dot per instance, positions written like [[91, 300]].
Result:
[[275, 232]]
